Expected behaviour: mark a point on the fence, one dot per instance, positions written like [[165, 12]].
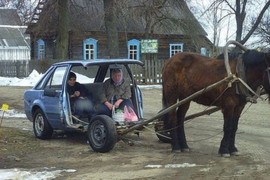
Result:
[[18, 68], [149, 74]]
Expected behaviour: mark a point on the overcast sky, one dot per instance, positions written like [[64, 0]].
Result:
[[228, 25]]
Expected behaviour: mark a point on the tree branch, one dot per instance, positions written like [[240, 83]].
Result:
[[257, 22]]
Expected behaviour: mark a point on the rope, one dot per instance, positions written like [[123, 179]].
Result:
[[155, 132], [187, 141], [246, 109], [206, 138]]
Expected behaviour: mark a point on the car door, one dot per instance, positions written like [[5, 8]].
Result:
[[53, 96], [136, 95]]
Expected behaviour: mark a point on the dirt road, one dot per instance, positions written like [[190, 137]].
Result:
[[147, 158]]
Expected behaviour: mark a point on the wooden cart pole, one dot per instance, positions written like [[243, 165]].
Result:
[[208, 111], [174, 106]]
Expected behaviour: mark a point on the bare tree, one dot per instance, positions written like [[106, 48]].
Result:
[[25, 8], [243, 11], [240, 15], [4, 3], [263, 32]]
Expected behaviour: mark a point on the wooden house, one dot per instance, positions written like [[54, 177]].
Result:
[[144, 27], [14, 44]]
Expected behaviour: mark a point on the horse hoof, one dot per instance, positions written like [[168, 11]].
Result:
[[185, 150], [225, 155], [236, 153]]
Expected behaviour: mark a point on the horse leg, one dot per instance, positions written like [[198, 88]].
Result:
[[237, 112], [181, 112], [169, 97], [227, 132], [232, 148], [174, 128]]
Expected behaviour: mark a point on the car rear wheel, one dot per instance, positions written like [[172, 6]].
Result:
[[102, 133], [41, 126]]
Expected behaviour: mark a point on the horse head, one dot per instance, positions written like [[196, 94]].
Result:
[[257, 66]]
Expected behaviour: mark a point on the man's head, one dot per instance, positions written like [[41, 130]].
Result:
[[72, 78]]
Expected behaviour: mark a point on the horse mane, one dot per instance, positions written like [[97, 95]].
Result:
[[231, 56], [250, 57], [253, 57]]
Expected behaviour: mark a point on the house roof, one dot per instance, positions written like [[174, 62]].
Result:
[[12, 33], [133, 16], [13, 36], [9, 17]]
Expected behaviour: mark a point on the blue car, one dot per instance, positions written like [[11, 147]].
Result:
[[47, 103]]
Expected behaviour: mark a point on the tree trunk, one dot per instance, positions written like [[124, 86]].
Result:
[[111, 28], [62, 39], [240, 15]]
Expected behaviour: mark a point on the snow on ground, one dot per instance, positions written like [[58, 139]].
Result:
[[46, 173], [31, 80]]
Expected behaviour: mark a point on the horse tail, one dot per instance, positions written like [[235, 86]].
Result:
[[164, 100], [165, 117]]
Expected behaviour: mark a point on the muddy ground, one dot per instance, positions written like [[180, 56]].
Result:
[[147, 158]]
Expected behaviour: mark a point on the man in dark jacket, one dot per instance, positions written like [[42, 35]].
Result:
[[80, 101]]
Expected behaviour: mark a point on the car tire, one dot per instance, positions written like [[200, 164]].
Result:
[[101, 133], [41, 126]]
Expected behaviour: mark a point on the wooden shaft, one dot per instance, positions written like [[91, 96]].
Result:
[[174, 106]]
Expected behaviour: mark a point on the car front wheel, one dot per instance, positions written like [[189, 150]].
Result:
[[102, 134], [41, 126]]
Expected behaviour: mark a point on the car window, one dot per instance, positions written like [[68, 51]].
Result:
[[41, 84], [56, 80], [85, 75]]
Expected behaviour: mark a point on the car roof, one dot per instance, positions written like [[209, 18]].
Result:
[[86, 63]]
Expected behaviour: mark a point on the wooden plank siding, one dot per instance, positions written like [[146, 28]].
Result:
[[164, 41], [11, 53]]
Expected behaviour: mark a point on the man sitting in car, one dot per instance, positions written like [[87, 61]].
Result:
[[80, 101]]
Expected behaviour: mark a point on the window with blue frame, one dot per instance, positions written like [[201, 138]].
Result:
[[176, 48], [203, 51], [134, 49], [89, 49], [40, 49]]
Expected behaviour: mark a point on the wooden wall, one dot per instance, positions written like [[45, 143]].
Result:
[[164, 41]]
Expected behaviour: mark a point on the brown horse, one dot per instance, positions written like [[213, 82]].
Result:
[[186, 73]]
